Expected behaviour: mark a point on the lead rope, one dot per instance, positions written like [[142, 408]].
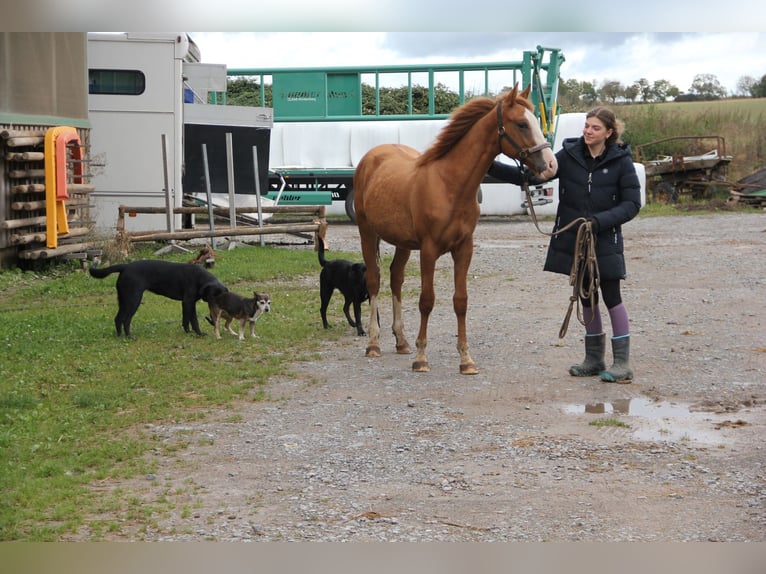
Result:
[[585, 264]]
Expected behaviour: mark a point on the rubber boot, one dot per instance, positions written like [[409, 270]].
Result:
[[595, 347], [620, 371]]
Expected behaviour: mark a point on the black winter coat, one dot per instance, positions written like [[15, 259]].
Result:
[[609, 193]]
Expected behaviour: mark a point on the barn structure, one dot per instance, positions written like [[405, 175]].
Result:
[[44, 143]]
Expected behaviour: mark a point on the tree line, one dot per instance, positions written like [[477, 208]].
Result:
[[574, 95]]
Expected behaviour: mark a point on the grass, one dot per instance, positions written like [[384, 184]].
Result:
[[742, 122], [76, 401], [609, 423]]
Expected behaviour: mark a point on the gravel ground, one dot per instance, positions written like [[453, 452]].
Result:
[[358, 449]]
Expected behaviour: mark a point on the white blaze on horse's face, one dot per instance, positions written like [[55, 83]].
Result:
[[545, 161]]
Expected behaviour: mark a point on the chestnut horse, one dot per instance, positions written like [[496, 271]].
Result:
[[429, 203]]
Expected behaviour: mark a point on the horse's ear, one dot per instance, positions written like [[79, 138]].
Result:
[[525, 93], [515, 92]]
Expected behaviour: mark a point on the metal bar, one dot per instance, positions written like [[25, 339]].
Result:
[[168, 200], [258, 190], [230, 176], [209, 193]]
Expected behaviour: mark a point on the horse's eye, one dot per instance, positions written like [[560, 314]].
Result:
[[522, 125]]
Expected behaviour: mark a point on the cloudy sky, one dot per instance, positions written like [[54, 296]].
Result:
[[657, 39], [674, 56]]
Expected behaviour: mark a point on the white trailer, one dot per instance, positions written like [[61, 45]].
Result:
[[150, 89]]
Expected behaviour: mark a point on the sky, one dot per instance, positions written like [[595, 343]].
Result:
[[670, 40], [589, 56]]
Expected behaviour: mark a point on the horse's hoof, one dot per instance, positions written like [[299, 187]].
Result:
[[403, 349], [469, 369], [421, 367], [373, 351]]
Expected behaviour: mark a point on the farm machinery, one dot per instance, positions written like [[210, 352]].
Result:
[[669, 175]]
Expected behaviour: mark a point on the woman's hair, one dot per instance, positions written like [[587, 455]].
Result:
[[610, 121]]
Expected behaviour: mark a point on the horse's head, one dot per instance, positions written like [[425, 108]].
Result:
[[519, 135]]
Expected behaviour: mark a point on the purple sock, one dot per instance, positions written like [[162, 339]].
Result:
[[618, 315], [592, 318]]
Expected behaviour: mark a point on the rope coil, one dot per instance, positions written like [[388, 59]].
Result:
[[584, 276]]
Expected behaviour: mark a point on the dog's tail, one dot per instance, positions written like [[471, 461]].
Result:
[[209, 320], [101, 272], [320, 251]]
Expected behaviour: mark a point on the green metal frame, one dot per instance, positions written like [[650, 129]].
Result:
[[538, 68]]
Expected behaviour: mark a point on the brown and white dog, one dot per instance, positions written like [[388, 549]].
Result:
[[230, 306]]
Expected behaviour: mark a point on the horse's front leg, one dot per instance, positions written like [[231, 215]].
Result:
[[370, 254], [398, 267], [426, 305], [462, 261]]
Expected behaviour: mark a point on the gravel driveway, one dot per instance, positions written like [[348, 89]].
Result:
[[358, 449]]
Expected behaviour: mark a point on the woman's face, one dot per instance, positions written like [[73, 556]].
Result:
[[595, 132]]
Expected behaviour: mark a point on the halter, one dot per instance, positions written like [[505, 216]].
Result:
[[503, 135]]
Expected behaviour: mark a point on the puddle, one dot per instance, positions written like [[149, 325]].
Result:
[[660, 421]]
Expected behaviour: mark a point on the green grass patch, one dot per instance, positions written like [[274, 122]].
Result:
[[76, 400], [609, 423]]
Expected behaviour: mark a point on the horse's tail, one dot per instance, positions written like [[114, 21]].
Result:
[[101, 272], [320, 251]]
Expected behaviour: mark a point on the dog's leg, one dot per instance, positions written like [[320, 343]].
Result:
[[325, 294], [190, 316], [128, 300], [358, 315], [228, 327], [216, 323], [242, 329], [346, 306]]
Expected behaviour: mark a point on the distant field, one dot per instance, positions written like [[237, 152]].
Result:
[[742, 122]]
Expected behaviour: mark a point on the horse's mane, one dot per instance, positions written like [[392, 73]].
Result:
[[461, 121]]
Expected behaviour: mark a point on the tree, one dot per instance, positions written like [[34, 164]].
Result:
[[759, 88], [745, 86], [244, 91], [589, 92], [611, 90], [645, 88], [632, 92], [707, 87], [662, 89], [570, 92]]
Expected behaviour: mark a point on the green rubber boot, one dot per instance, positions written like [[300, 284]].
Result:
[[595, 347], [620, 371]]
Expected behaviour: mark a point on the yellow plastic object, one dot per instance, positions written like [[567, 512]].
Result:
[[55, 171]]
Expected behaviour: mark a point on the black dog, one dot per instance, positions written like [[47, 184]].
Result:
[[348, 278], [183, 282]]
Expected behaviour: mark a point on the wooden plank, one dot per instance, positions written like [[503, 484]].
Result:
[[26, 238], [29, 188], [222, 232], [10, 134], [28, 205], [23, 141], [25, 156], [48, 253], [26, 222], [26, 173], [80, 187]]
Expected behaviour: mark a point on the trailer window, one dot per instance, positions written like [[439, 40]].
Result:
[[116, 82]]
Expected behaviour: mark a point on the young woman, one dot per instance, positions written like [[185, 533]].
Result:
[[598, 182]]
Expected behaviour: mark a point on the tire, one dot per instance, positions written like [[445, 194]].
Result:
[[665, 192], [350, 205]]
